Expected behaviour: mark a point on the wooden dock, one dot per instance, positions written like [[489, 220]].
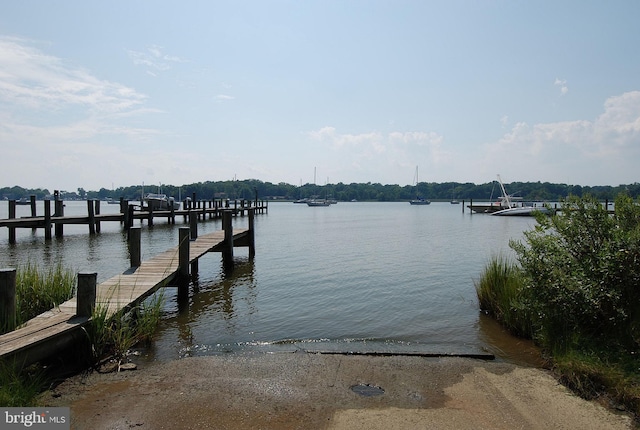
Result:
[[53, 221], [57, 329]]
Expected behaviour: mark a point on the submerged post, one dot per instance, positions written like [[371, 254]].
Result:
[[86, 300], [7, 300], [227, 251], [134, 246]]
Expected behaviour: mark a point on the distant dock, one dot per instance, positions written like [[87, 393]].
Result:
[[53, 221]]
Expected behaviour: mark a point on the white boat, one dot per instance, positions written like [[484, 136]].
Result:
[[522, 211], [419, 200], [516, 209], [505, 201], [159, 202], [318, 203]]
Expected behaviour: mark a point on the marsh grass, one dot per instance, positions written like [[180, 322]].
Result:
[[500, 294], [39, 290], [20, 388], [113, 335]]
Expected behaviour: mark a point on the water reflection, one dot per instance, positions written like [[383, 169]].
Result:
[[212, 309]]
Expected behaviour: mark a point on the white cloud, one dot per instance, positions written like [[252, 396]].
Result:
[[223, 97], [612, 140], [33, 80], [154, 59], [562, 83]]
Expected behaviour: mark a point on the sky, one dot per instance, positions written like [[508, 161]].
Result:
[[108, 94]]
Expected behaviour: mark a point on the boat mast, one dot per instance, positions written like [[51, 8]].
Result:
[[504, 193]]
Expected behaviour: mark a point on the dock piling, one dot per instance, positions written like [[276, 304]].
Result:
[[183, 252], [86, 300], [47, 219], [7, 299], [12, 215], [227, 252], [134, 246]]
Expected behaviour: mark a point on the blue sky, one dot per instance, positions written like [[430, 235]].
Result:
[[102, 94]]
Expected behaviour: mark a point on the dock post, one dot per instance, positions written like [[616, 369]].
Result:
[[32, 203], [183, 260], [58, 211], [7, 300], [150, 217], [193, 224], [129, 217], [97, 212], [134, 246], [86, 300], [462, 205], [47, 219], [92, 218], [471, 207], [252, 237], [12, 214], [227, 252]]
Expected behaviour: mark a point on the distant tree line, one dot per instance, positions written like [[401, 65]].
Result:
[[250, 188]]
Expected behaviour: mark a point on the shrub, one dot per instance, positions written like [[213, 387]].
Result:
[[582, 271]]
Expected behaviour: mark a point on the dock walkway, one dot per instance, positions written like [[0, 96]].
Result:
[[58, 328]]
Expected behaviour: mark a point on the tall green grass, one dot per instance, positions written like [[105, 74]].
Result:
[[500, 294], [39, 290], [114, 335]]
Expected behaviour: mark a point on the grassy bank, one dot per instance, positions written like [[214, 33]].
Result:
[[575, 290]]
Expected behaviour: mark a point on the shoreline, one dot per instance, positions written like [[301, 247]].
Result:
[[306, 390]]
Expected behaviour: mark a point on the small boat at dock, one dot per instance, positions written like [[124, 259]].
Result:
[[159, 202]]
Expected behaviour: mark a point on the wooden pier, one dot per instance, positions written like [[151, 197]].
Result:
[[59, 328], [53, 222]]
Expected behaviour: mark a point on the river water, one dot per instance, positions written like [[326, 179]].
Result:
[[386, 277]]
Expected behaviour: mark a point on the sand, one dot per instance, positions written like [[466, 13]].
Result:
[[312, 391]]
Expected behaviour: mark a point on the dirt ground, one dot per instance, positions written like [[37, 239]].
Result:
[[312, 391]]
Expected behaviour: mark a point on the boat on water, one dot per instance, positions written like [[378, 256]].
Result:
[[315, 202], [23, 201], [505, 201], [159, 202], [419, 201], [509, 205], [522, 211]]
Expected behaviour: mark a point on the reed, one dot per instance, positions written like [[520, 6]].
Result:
[[114, 335], [39, 290], [500, 294], [20, 388]]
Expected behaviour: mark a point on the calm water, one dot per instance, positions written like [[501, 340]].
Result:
[[353, 276]]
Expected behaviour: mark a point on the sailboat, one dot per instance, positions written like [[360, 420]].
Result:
[[419, 200]]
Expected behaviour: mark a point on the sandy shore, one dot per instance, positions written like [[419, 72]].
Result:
[[312, 391]]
